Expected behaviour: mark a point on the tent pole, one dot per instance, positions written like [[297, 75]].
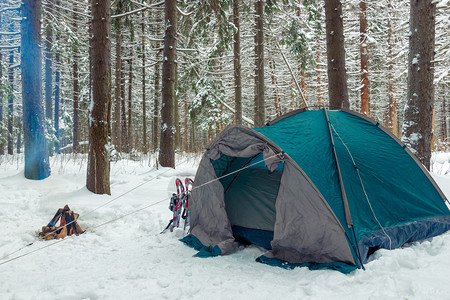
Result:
[[348, 216]]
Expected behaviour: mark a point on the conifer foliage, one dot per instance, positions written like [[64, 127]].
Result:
[[145, 79]]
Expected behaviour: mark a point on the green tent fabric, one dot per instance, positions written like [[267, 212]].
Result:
[[317, 188]]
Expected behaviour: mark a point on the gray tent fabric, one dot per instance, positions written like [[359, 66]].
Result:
[[239, 141], [209, 220], [298, 205], [341, 188]]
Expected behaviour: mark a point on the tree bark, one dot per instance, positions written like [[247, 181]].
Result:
[[443, 121], [186, 112], [2, 95], [98, 163], [48, 66], [36, 148], [337, 77], [167, 143], [417, 126], [144, 108], [117, 90], [260, 103], [155, 130], [11, 104], [57, 102], [391, 113], [237, 65], [157, 96], [130, 103], [364, 53], [123, 111], [76, 90]]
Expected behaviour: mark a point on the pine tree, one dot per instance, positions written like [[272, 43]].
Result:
[[167, 142], [417, 126], [97, 180], [337, 78]]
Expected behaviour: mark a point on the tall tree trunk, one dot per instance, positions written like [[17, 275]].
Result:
[[117, 90], [176, 114], [144, 108], [157, 96], [337, 77], [2, 95], [417, 126], [57, 102], [123, 112], [319, 78], [130, 103], [97, 180], [36, 149], [391, 114], [155, 130], [443, 120], [48, 66], [11, 104], [76, 89], [237, 65], [259, 20], [275, 88], [167, 144], [364, 53], [19, 136], [186, 112]]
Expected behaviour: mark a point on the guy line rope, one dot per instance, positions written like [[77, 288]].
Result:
[[127, 214]]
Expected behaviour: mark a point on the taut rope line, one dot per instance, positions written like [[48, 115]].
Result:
[[127, 214]]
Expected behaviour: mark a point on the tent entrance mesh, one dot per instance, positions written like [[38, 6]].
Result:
[[250, 196]]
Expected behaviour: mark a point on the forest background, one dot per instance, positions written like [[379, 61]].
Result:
[[281, 66]]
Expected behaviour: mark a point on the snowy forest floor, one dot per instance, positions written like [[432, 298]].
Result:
[[130, 259]]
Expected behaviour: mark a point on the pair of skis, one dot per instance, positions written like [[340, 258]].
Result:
[[179, 204]]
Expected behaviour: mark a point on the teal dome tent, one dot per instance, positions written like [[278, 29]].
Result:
[[317, 188]]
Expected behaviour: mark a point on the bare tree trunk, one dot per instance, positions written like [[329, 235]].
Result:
[[97, 180], [337, 78], [167, 143], [259, 20], [57, 98], [2, 95], [36, 148], [186, 112], [275, 88], [144, 108], [48, 66], [237, 65], [76, 89], [319, 78], [364, 53], [123, 113], [117, 90], [155, 130], [391, 114], [443, 120], [417, 126], [130, 103], [11, 104]]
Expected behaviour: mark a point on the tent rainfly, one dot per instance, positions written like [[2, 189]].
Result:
[[317, 188]]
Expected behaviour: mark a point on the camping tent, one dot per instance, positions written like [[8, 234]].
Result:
[[317, 188]]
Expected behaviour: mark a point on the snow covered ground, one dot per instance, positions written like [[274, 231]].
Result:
[[130, 259]]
